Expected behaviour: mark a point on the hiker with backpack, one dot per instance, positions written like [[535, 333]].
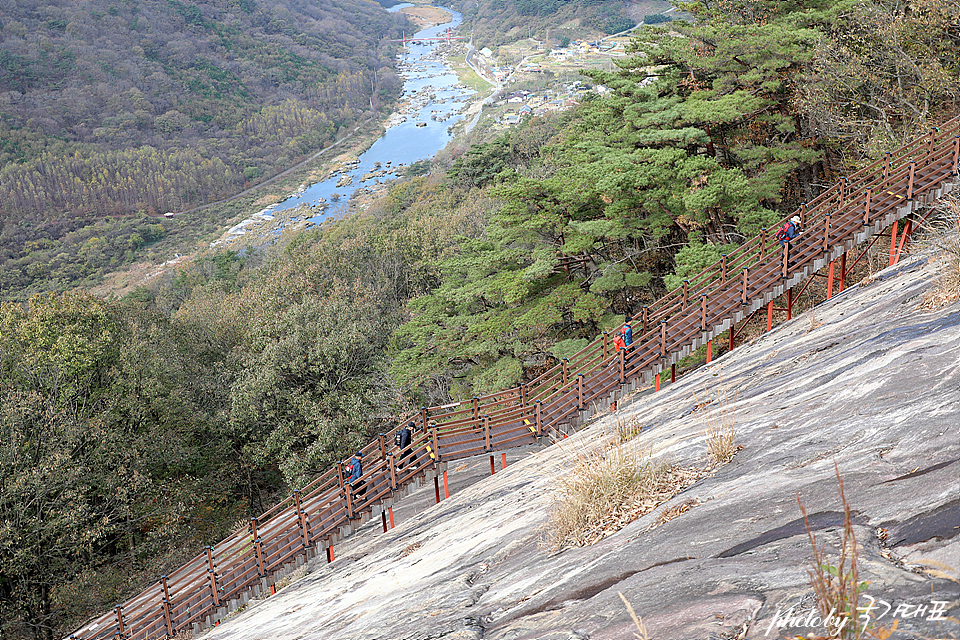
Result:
[[788, 230], [402, 440], [355, 469]]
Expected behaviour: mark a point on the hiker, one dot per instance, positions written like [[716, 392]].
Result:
[[627, 332], [402, 440], [789, 230], [356, 470]]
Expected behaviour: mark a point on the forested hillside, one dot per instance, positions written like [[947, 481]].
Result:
[[494, 22], [118, 108]]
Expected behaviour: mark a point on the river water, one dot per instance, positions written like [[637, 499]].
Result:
[[433, 97]]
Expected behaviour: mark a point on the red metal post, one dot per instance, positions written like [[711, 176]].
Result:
[[390, 515], [789, 304], [830, 280], [503, 460], [904, 238], [770, 315], [893, 244], [383, 520], [673, 373], [329, 555], [843, 273], [656, 383], [709, 351], [493, 468], [436, 487], [446, 487], [733, 334]]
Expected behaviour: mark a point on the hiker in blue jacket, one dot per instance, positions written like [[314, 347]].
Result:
[[627, 332], [356, 468]]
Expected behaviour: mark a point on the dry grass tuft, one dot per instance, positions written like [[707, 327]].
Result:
[[940, 237], [629, 429], [720, 426], [608, 488], [641, 632], [814, 323], [837, 587]]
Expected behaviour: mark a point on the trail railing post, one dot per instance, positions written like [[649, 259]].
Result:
[[580, 391], [663, 338], [167, 618], [486, 433], [686, 286], [539, 419], [212, 574], [605, 337], [784, 266], [302, 517], [348, 494], [913, 168], [257, 547], [523, 394], [424, 417], [383, 446], [743, 292], [703, 312], [843, 273], [436, 445], [763, 242], [826, 233], [121, 626], [866, 207], [623, 366], [956, 152], [563, 363], [392, 462], [644, 316], [723, 269]]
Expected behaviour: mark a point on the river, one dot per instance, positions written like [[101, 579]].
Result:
[[431, 103]]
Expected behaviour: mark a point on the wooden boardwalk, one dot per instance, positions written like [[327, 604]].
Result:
[[858, 208]]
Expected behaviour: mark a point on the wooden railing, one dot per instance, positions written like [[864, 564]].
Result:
[[225, 576]]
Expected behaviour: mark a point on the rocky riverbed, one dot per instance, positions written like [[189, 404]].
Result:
[[867, 381]]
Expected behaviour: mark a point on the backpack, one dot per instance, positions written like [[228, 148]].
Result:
[[348, 469], [782, 232], [397, 438]]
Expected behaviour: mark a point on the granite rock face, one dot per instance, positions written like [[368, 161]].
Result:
[[869, 382]]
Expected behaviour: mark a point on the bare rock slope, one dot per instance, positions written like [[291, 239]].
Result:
[[870, 382]]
